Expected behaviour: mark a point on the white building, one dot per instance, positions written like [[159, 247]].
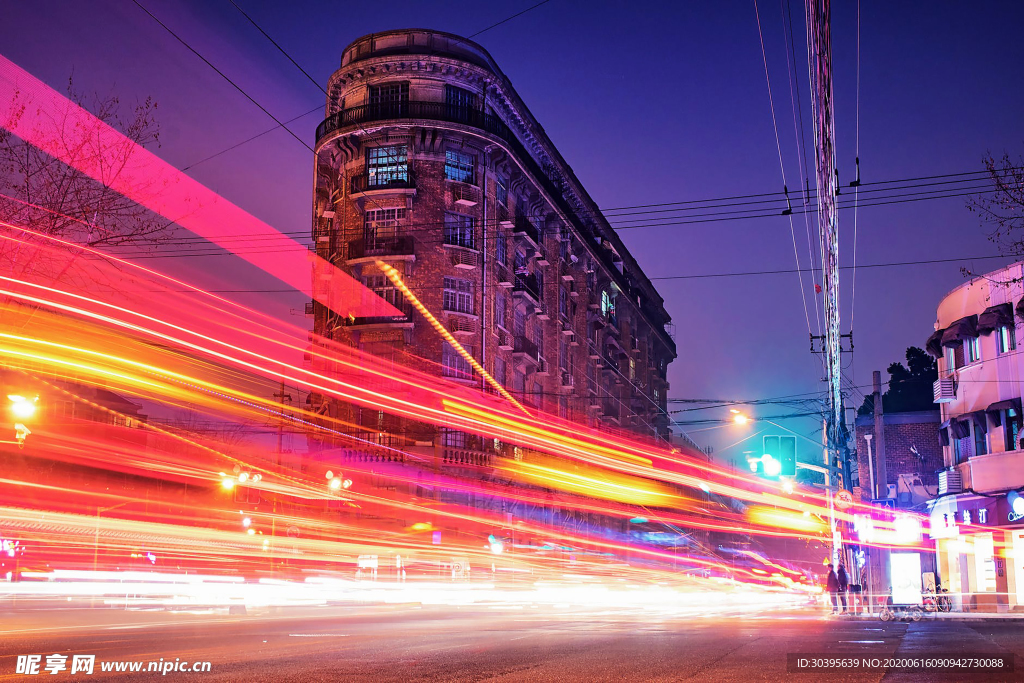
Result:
[[979, 533]]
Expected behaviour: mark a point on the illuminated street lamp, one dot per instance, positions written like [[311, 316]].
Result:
[[21, 407]]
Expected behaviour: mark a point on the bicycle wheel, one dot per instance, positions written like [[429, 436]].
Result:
[[915, 612], [945, 604], [885, 615]]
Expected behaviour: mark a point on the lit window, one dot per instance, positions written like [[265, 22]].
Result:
[[381, 225], [1006, 340], [453, 364], [458, 295], [459, 230], [972, 349], [459, 166], [950, 354], [387, 165]]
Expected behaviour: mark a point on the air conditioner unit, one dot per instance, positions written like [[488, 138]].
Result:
[[950, 481], [459, 325], [465, 260], [944, 390], [573, 341], [464, 196], [504, 340], [567, 379], [567, 328]]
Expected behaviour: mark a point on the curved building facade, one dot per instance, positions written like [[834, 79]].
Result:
[[429, 161], [977, 519]]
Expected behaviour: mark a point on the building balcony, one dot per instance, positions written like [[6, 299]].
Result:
[[993, 472], [373, 248], [382, 321], [526, 286], [525, 350], [465, 457], [403, 181], [527, 231]]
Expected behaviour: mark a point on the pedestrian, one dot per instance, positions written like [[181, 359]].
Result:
[[832, 586], [844, 584]]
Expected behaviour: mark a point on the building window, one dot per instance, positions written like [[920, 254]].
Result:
[[519, 322], [1006, 340], [538, 337], [632, 369], [563, 302], [972, 349], [380, 225], [519, 263], [518, 381], [499, 370], [387, 165], [500, 309], [458, 295], [501, 190], [385, 289], [980, 443], [607, 305], [453, 364], [393, 95], [460, 101], [501, 250], [452, 438], [950, 355], [563, 355], [459, 166], [1011, 426], [459, 230]]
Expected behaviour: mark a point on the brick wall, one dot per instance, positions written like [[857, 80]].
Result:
[[902, 430]]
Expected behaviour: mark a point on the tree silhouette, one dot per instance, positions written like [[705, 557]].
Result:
[[910, 385]]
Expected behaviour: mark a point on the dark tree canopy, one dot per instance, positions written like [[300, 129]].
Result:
[[910, 385]]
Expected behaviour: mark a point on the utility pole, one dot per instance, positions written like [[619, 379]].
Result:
[[819, 39], [280, 424], [881, 478]]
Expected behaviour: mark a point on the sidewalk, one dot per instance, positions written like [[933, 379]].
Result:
[[952, 616]]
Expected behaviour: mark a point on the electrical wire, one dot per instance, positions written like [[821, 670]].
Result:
[[782, 168]]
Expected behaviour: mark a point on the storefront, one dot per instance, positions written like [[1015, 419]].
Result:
[[979, 545]]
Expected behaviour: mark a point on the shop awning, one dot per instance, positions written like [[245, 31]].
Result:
[[960, 429], [934, 344], [1013, 403], [995, 316], [964, 328], [980, 420], [1020, 308]]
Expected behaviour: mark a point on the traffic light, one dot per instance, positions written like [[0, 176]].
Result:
[[779, 457], [787, 455]]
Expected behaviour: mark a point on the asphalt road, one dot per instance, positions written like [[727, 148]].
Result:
[[411, 643]]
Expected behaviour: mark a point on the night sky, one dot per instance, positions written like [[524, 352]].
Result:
[[650, 103]]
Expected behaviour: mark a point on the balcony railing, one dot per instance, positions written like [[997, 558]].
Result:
[[527, 285], [489, 123], [526, 348], [384, 181], [524, 228], [403, 306], [381, 246]]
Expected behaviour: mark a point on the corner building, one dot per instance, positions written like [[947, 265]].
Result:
[[429, 161], [977, 518]]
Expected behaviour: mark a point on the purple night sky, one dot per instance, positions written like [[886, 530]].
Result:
[[649, 103]]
